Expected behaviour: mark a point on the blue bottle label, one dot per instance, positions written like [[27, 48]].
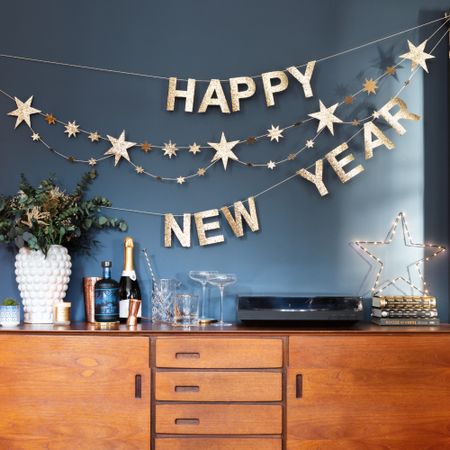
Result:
[[107, 304]]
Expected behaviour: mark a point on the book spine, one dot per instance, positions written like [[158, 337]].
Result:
[[419, 313], [414, 322], [393, 304]]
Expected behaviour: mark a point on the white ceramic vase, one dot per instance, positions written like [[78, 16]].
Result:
[[42, 281]]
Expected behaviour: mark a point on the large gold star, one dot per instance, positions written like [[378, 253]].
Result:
[[417, 55], [23, 112], [223, 150], [370, 86], [381, 284], [119, 147], [326, 117]]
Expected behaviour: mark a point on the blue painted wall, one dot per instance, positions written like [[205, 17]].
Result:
[[303, 243]]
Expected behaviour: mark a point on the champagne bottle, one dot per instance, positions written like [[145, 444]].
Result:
[[106, 293], [128, 285]]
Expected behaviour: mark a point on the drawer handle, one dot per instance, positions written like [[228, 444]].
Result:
[[187, 388], [187, 355], [299, 386], [138, 386], [187, 421]]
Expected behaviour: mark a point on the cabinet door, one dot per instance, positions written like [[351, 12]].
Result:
[[74, 392], [369, 392]]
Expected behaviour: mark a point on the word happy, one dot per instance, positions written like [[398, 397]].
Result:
[[371, 131], [183, 234], [240, 88]]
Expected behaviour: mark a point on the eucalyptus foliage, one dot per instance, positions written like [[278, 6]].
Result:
[[38, 217]]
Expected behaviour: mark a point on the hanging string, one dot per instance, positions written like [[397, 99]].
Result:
[[160, 77]]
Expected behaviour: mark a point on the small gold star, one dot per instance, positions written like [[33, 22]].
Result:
[[139, 169], [92, 162], [292, 156], [146, 147], [355, 122], [348, 100], [194, 148], [94, 136], [370, 86], [72, 129], [390, 70], [309, 143], [50, 119], [180, 180], [251, 140], [376, 115], [271, 165], [35, 136], [274, 133], [201, 172], [170, 149]]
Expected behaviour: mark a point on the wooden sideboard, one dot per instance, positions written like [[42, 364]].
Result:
[[240, 388]]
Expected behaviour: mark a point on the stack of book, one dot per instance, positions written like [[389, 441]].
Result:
[[404, 310]]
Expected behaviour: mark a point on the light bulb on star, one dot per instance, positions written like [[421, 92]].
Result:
[[119, 147], [23, 112], [326, 117]]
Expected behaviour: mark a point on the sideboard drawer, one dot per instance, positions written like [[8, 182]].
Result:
[[218, 443], [195, 386], [211, 353], [218, 419]]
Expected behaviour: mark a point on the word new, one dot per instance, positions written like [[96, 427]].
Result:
[[240, 88], [171, 226], [371, 131]]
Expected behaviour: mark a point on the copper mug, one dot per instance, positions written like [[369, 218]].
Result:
[[89, 297]]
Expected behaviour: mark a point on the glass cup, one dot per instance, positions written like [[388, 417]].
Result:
[[162, 298], [185, 309], [202, 277], [221, 280]]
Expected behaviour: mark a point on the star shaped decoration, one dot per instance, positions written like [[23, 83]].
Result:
[[194, 148], [23, 112], [50, 119], [72, 129], [348, 100], [381, 284], [274, 133], [355, 122], [201, 172], [146, 147], [170, 149], [309, 143], [271, 165], [224, 150], [370, 86], [35, 136], [326, 117], [181, 180], [292, 156], [376, 115], [251, 140], [417, 55], [119, 147], [92, 162], [139, 169], [94, 136], [391, 70]]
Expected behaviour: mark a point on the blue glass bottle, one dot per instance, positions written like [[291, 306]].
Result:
[[106, 293]]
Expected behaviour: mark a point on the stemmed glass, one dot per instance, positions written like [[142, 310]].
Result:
[[221, 280], [202, 276]]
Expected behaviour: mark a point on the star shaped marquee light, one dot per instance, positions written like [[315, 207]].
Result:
[[399, 280]]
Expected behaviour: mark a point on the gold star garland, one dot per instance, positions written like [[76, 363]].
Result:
[[170, 149]]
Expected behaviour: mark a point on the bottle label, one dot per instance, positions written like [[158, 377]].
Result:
[[129, 273], [107, 304]]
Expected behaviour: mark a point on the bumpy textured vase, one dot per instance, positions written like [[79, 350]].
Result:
[[42, 281]]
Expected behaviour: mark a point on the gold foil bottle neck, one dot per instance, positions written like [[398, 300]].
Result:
[[128, 265]]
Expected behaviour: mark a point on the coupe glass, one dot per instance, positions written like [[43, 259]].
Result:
[[221, 280], [202, 276]]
